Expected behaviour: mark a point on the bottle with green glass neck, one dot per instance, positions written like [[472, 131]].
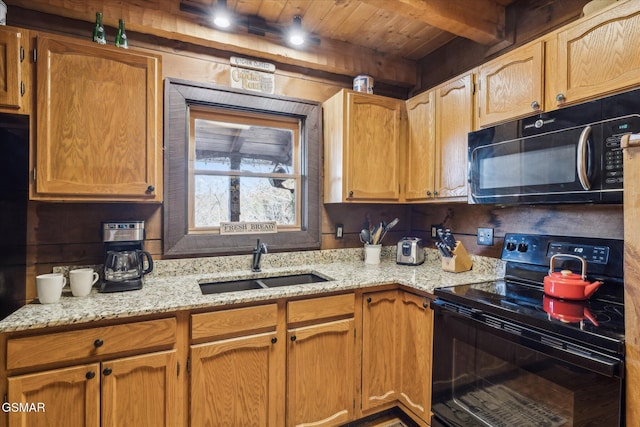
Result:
[[98, 31], [121, 37]]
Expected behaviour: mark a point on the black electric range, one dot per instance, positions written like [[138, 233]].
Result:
[[597, 321]]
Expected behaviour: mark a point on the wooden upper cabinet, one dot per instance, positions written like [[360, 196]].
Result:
[[512, 85], [99, 123], [454, 120], [12, 58], [421, 148], [363, 134], [599, 55]]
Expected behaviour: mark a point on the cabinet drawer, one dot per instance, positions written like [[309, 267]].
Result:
[[236, 321], [320, 308], [85, 343]]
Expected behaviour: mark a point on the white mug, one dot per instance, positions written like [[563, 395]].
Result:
[[49, 287], [82, 280]]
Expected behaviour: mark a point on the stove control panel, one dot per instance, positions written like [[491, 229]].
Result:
[[603, 256], [597, 254]]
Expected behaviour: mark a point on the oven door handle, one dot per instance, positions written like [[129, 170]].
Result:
[[581, 161]]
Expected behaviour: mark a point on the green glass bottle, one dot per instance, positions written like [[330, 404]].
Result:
[[121, 37], [98, 31]]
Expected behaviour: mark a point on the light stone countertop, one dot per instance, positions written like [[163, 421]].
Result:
[[173, 284]]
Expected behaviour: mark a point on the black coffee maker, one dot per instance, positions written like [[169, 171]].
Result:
[[124, 256]]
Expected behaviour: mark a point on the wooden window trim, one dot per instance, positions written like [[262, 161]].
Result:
[[179, 95]]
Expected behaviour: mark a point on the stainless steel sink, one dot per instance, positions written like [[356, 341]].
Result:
[[261, 283]]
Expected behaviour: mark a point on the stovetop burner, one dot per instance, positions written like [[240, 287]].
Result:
[[597, 321]]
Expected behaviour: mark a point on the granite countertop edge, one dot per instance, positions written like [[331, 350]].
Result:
[[174, 285]]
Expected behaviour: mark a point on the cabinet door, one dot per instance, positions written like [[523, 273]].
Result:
[[454, 120], [141, 390], [380, 349], [11, 57], [320, 380], [98, 123], [600, 55], [372, 158], [420, 153], [69, 397], [512, 85], [237, 382], [416, 338]]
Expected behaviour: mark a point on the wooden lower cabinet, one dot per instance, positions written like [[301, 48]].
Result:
[[415, 354], [396, 352], [132, 391], [236, 382], [379, 349], [141, 391], [71, 397], [320, 374]]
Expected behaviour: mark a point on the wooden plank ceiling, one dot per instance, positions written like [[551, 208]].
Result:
[[409, 29], [383, 38]]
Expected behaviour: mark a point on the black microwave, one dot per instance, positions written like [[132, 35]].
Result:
[[571, 155]]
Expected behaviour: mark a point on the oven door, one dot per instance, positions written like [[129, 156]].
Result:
[[492, 372], [558, 166]]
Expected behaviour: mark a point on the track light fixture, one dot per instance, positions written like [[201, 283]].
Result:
[[221, 15], [297, 35]]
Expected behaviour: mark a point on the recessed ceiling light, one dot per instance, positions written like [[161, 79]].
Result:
[[221, 16], [297, 35]]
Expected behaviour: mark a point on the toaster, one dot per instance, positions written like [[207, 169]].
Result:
[[410, 251]]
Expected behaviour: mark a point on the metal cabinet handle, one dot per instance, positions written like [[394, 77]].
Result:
[[428, 193], [274, 340], [425, 304], [369, 300], [151, 189], [560, 97], [293, 338], [98, 343], [535, 105], [350, 194], [435, 194], [107, 371], [90, 375]]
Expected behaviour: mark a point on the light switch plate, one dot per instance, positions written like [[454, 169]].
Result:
[[339, 231], [485, 236]]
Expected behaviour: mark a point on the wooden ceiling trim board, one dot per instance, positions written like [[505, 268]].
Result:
[[169, 22], [479, 20]]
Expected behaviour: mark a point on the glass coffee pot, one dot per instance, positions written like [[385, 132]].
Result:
[[127, 267]]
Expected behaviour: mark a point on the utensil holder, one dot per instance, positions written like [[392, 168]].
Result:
[[460, 261]]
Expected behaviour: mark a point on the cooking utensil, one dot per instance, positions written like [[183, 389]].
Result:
[[567, 284], [389, 227], [365, 236], [377, 232]]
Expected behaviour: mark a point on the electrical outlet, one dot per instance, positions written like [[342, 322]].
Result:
[[339, 231], [434, 230], [485, 236]]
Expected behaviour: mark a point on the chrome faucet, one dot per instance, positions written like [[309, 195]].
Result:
[[257, 254]]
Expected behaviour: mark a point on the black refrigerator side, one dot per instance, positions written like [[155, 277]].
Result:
[[14, 196]]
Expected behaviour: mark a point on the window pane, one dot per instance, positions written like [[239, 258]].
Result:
[[260, 199], [223, 146]]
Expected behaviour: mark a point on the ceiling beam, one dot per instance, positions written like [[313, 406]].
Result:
[[482, 21]]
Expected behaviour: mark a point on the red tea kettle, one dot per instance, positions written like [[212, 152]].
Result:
[[567, 284]]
